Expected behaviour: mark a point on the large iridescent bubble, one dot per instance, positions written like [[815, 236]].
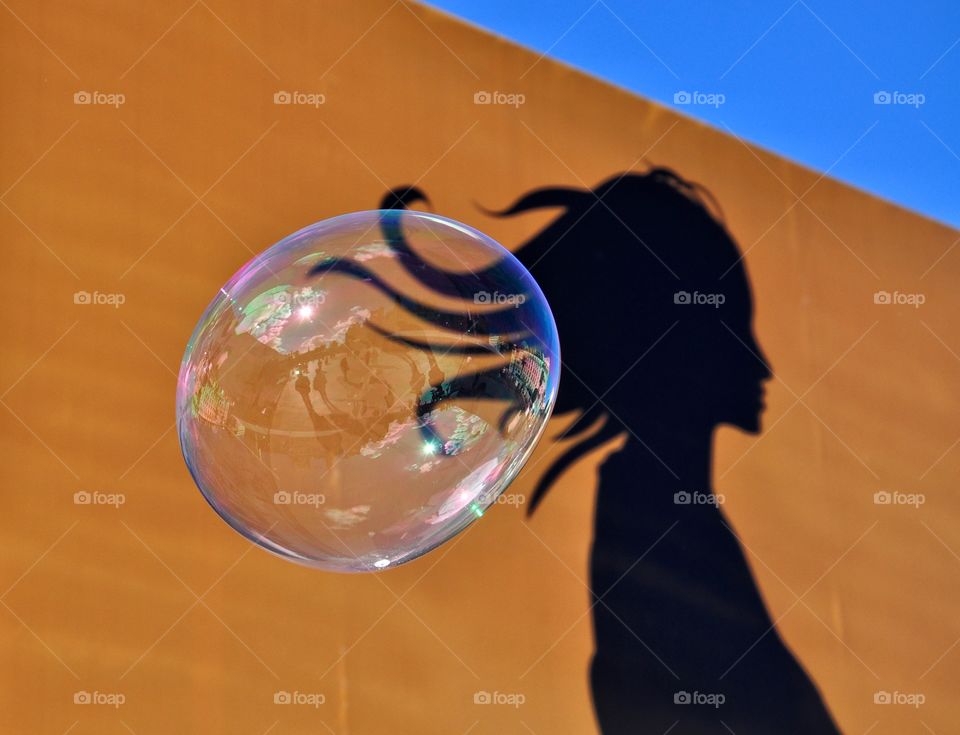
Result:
[[366, 388]]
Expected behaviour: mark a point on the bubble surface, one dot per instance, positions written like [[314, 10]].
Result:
[[366, 388]]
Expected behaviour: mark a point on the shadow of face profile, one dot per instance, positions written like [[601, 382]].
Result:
[[652, 300]]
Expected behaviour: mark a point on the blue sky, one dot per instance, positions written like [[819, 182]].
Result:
[[798, 77]]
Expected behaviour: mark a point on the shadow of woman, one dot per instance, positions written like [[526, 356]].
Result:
[[654, 310]]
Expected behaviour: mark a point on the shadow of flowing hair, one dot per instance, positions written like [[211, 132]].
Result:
[[505, 332]]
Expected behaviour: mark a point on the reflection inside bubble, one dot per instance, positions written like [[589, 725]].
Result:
[[366, 388]]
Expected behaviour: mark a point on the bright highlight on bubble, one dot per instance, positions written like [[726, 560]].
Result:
[[366, 388]]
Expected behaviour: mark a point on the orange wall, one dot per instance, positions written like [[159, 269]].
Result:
[[164, 197]]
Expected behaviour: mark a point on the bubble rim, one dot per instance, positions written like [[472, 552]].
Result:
[[505, 480]]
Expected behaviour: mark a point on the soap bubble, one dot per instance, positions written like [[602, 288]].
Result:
[[366, 388]]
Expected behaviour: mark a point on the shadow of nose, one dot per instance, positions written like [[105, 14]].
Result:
[[761, 364], [767, 369]]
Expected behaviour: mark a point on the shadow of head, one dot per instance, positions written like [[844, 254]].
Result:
[[653, 306]]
